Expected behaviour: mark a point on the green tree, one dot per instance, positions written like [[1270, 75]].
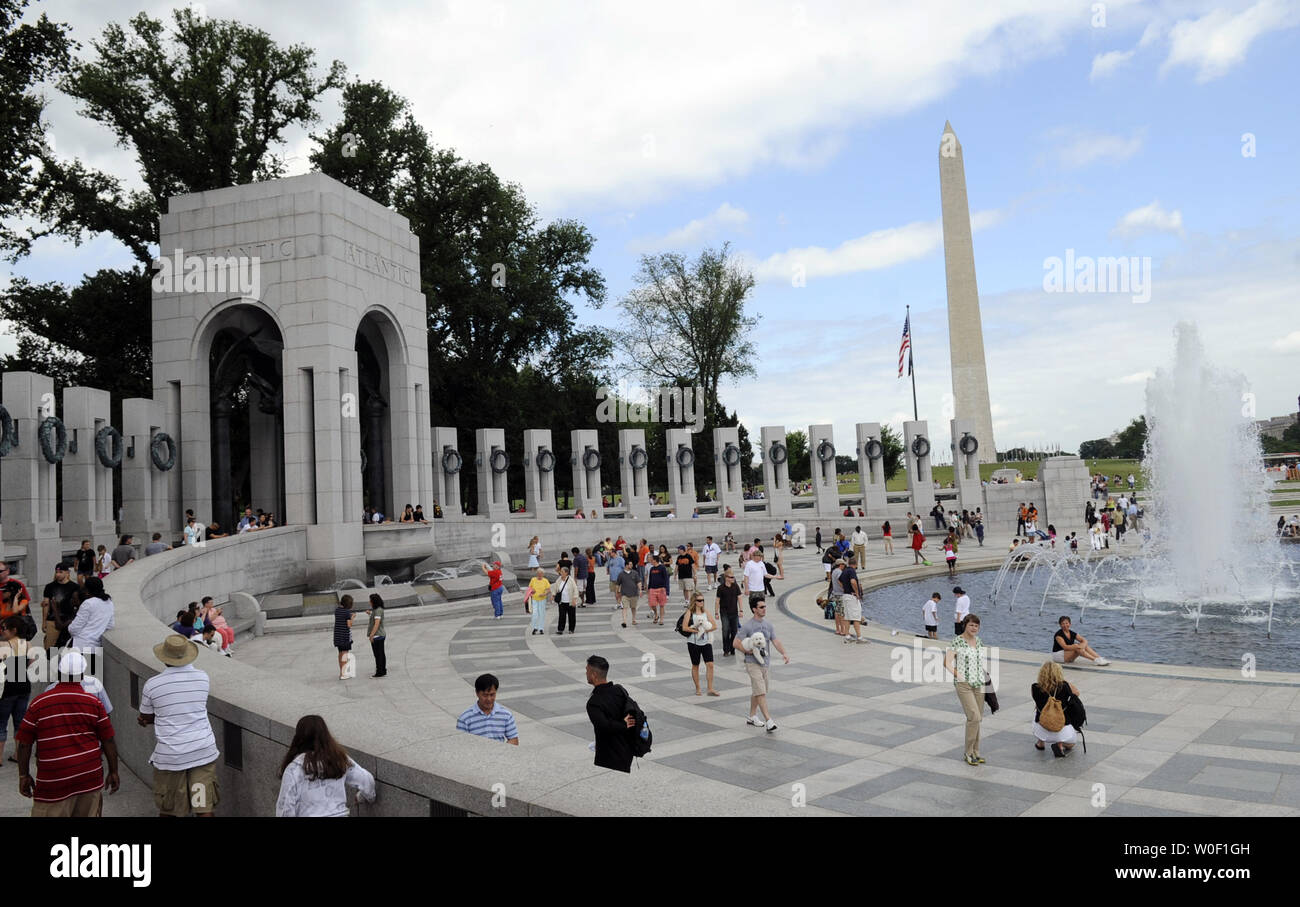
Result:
[[892, 441], [796, 448], [499, 284], [29, 55], [1099, 449], [377, 145], [1292, 433], [692, 327], [1131, 444], [203, 108]]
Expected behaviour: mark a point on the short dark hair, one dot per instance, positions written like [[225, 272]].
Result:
[[157, 536], [206, 599], [599, 665], [486, 682], [969, 619], [1062, 619], [757, 600]]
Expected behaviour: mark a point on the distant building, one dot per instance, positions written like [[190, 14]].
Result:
[[1275, 426]]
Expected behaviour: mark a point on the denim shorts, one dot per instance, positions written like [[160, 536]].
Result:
[[15, 706]]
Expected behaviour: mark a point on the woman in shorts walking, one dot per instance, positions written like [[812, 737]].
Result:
[[700, 645], [887, 536]]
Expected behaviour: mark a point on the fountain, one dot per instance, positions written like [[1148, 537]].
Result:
[[1208, 550]]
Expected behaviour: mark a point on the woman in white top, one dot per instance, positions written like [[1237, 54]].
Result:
[[534, 553], [566, 593], [700, 645], [317, 772]]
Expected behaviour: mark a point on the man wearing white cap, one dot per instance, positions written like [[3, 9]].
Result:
[[72, 734], [184, 761]]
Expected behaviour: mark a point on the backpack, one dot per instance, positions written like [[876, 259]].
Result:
[[1052, 715], [643, 737], [771, 568], [680, 625], [1076, 714]]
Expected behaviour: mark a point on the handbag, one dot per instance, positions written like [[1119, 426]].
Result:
[[1075, 714], [1051, 717], [990, 696], [28, 632]]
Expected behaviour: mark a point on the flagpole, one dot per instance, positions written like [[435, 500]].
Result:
[[911, 345]]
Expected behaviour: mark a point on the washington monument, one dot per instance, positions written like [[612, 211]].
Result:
[[970, 379]]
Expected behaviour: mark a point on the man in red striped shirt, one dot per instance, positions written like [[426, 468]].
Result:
[[71, 730]]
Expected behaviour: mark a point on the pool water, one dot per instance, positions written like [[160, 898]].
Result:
[[1160, 634]]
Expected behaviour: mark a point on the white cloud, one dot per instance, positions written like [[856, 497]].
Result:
[[1105, 64], [1149, 219], [1288, 344], [877, 250], [1078, 149], [599, 101], [725, 217], [1217, 42], [1135, 378], [1087, 338]]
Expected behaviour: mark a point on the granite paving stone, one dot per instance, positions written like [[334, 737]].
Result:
[[1165, 740]]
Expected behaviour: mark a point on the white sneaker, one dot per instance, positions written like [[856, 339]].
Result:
[[771, 725], [754, 720], [1101, 662]]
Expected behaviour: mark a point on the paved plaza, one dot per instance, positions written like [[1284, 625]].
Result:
[[1162, 740]]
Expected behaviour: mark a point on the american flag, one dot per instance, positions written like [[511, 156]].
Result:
[[905, 346]]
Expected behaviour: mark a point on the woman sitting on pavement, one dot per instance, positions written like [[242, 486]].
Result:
[[1068, 646], [1052, 683]]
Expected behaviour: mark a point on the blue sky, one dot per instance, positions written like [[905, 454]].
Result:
[[808, 134]]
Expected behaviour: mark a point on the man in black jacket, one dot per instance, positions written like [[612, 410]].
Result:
[[613, 723]]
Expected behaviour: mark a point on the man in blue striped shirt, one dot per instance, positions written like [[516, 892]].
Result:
[[486, 718]]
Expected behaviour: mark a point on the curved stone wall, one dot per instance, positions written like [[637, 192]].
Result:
[[422, 764]]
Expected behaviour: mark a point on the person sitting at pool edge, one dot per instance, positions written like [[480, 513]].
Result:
[[1068, 645]]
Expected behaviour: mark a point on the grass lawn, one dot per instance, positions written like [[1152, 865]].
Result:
[[1029, 469], [1294, 502]]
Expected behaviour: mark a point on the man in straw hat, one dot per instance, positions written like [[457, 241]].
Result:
[[184, 760], [72, 735]]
